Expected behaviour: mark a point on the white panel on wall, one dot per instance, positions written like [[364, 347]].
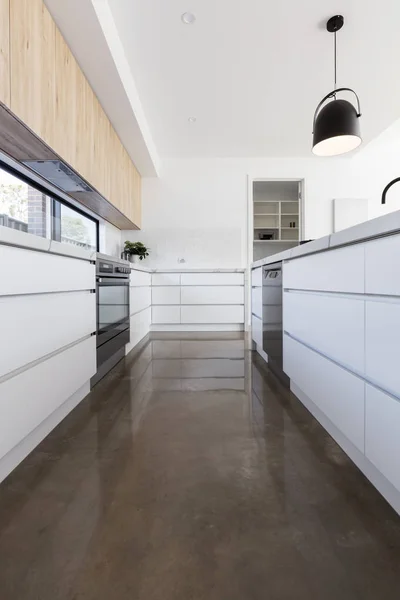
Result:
[[333, 325], [382, 266], [212, 314], [256, 301], [166, 314], [35, 325], [382, 439], [40, 272], [212, 279], [348, 212], [335, 391], [166, 279], [340, 270], [210, 294], [140, 298], [257, 330], [256, 277], [30, 397], [140, 278], [166, 295], [140, 327], [383, 344]]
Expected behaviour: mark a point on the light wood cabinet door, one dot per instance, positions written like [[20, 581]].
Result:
[[5, 52], [65, 127], [32, 56]]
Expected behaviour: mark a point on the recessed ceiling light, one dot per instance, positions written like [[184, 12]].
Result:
[[192, 119], [188, 18]]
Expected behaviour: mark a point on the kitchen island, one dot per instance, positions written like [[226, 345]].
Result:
[[341, 340]]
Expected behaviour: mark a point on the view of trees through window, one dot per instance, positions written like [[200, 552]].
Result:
[[25, 208]]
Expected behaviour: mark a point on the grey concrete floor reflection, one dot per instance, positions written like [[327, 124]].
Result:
[[189, 473]]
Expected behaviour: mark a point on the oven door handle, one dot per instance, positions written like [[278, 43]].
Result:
[[112, 281]]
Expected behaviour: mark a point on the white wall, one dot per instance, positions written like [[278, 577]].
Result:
[[110, 240], [197, 210]]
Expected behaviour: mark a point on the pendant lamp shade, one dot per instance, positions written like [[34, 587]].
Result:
[[336, 129]]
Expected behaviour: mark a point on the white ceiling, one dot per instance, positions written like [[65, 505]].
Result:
[[253, 71]]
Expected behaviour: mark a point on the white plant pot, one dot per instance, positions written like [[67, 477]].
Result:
[[135, 259]]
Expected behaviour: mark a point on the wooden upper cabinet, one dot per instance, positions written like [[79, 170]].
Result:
[[5, 52], [32, 59]]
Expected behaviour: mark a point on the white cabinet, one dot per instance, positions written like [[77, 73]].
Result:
[[166, 295], [29, 272], [140, 327], [140, 279], [257, 330], [333, 325], [256, 277], [382, 433], [256, 301], [382, 266], [336, 392], [212, 279], [340, 270], [33, 326], [140, 298], [166, 279], [209, 294], [383, 343], [212, 314], [166, 314]]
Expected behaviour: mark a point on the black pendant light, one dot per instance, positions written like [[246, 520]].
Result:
[[336, 125]]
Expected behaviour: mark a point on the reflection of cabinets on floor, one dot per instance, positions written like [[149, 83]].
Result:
[[276, 216]]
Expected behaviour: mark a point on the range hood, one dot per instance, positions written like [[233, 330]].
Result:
[[21, 144], [59, 174]]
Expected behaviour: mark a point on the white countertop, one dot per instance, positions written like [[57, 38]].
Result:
[[138, 267], [385, 225]]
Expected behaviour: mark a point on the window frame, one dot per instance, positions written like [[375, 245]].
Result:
[[55, 205]]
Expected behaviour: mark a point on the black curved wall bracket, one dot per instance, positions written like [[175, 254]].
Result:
[[387, 188]]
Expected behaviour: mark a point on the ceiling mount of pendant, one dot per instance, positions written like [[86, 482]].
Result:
[[335, 23]]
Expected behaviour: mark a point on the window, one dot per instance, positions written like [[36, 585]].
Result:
[[30, 209]]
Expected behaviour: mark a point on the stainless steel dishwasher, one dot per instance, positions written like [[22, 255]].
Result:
[[272, 296]]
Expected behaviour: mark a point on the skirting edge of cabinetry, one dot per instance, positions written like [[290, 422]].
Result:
[[384, 487], [198, 327], [13, 458]]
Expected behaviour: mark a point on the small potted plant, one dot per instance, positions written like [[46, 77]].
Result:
[[136, 251]]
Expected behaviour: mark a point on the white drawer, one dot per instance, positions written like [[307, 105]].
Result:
[[382, 266], [140, 326], [335, 391], [212, 314], [257, 330], [33, 326], [27, 399], [166, 314], [256, 277], [212, 279], [166, 295], [339, 270], [333, 325], [382, 438], [209, 294], [383, 345], [27, 272], [256, 301], [140, 278], [140, 298], [166, 279]]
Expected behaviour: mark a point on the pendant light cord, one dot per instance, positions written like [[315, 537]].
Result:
[[335, 61]]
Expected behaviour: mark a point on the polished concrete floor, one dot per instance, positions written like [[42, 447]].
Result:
[[190, 474]]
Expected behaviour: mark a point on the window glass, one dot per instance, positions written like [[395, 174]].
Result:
[[23, 207], [77, 229]]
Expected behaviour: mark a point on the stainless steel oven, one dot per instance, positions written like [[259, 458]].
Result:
[[113, 313]]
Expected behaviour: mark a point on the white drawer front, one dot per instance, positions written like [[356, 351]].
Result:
[[166, 295], [166, 314], [140, 278], [140, 298], [383, 345], [256, 301], [140, 326], [335, 391], [29, 398], [256, 277], [27, 272], [212, 294], [257, 330], [382, 433], [212, 314], [332, 325], [33, 326], [382, 266], [339, 270], [212, 279], [166, 279]]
